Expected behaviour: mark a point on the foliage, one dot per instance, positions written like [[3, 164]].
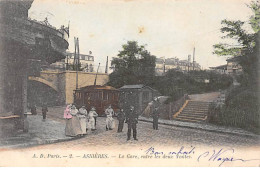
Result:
[[175, 83], [234, 30], [134, 65], [241, 110]]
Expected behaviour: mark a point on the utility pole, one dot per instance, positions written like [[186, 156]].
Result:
[[95, 82], [76, 63], [189, 57], [164, 66], [193, 58], [106, 65], [67, 63]]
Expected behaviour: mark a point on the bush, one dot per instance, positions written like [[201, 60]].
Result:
[[241, 110]]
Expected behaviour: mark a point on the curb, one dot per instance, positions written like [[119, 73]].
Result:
[[210, 130], [38, 143]]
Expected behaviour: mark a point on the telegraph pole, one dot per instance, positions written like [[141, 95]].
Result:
[[189, 57], [76, 63], [95, 82], [164, 66], [193, 58], [106, 65]]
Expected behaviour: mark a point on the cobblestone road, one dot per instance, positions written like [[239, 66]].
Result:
[[166, 136], [110, 144]]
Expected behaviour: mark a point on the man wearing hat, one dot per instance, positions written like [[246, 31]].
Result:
[[132, 120], [155, 113], [91, 115]]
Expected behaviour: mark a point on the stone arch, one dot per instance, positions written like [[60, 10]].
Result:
[[39, 79]]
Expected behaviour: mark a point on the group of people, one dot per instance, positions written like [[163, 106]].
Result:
[[44, 111], [79, 121]]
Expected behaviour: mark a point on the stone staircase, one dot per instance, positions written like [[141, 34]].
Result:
[[193, 111]]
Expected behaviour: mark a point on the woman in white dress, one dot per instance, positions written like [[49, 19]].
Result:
[[83, 119], [109, 120], [75, 123], [91, 116]]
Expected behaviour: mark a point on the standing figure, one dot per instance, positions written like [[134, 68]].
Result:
[[75, 123], [155, 113], [68, 116], [44, 111], [132, 120], [83, 119], [109, 120], [91, 116], [121, 119], [33, 110]]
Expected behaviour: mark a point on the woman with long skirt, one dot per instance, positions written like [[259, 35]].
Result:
[[73, 124]]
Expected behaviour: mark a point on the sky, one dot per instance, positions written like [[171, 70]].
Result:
[[168, 28]]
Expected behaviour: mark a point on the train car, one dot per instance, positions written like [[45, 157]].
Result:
[[98, 96]]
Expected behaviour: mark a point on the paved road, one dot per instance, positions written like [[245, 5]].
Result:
[[112, 144], [166, 135]]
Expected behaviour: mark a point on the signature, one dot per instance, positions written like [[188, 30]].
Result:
[[181, 151], [220, 156]]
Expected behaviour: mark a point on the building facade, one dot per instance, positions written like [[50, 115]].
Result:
[[233, 67], [163, 65], [86, 61], [222, 69]]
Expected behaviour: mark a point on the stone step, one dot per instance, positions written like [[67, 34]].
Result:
[[191, 105], [198, 105], [191, 111], [187, 120], [194, 117], [195, 114], [190, 102], [195, 108]]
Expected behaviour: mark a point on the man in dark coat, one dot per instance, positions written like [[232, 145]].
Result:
[[121, 119], [33, 110], [44, 111], [155, 113], [132, 120]]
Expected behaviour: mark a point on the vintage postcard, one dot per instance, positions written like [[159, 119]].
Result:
[[129, 83]]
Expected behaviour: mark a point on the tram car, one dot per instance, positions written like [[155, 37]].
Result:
[[98, 96]]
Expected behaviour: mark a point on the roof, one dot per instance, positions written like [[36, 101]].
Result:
[[136, 86], [220, 67], [97, 87], [232, 59]]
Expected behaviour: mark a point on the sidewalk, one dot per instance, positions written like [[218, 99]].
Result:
[[39, 133], [202, 126]]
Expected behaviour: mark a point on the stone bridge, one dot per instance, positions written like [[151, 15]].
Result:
[[56, 87]]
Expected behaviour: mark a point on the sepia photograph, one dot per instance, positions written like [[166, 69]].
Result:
[[129, 83]]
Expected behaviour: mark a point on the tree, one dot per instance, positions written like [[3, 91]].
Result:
[[234, 30], [134, 65]]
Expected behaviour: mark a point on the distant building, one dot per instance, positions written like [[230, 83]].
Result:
[[86, 63], [137, 95], [233, 67], [163, 65], [222, 69]]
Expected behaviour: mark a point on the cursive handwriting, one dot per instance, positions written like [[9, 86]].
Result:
[[221, 156], [181, 151]]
